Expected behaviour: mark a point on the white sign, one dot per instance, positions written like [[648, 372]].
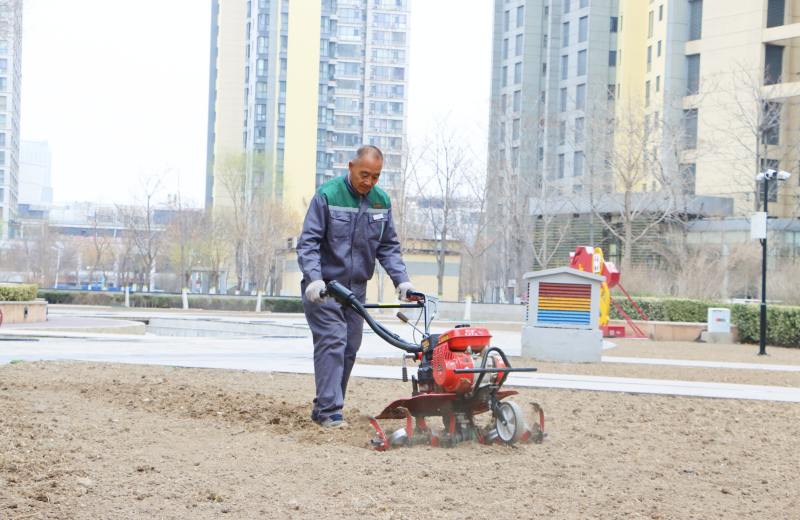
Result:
[[758, 225]]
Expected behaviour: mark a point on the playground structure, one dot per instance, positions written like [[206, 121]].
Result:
[[591, 260]]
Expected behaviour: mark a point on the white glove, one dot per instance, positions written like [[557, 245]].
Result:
[[313, 290], [405, 288]]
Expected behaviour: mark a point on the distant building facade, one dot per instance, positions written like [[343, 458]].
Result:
[[10, 82], [35, 167], [320, 79]]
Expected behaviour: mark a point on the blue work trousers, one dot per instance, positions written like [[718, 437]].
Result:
[[337, 333]]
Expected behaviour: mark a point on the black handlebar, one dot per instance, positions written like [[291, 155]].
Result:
[[346, 298]]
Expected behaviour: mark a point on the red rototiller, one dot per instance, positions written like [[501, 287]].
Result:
[[459, 376]]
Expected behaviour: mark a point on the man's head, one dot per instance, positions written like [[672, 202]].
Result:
[[365, 168]]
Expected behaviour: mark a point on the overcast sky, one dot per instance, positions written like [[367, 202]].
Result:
[[119, 87]]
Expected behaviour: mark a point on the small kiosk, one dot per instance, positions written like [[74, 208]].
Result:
[[562, 318]]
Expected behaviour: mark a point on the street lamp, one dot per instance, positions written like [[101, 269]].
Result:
[[769, 175]]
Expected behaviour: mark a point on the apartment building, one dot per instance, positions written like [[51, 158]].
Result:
[[726, 72], [548, 59], [10, 83], [319, 79]]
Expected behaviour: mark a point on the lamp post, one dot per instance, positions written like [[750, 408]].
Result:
[[765, 177]]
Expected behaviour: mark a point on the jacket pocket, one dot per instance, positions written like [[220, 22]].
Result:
[[340, 225], [375, 226]]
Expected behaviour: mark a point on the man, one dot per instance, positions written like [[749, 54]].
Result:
[[348, 226]]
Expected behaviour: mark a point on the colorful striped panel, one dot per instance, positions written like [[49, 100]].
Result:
[[563, 303]]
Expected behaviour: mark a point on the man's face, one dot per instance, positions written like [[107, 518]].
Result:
[[364, 174]]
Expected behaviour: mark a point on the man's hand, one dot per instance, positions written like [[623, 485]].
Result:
[[405, 288], [313, 291]]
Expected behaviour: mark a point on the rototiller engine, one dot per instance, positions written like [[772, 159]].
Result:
[[459, 376]]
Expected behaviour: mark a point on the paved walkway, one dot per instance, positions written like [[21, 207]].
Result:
[[294, 355]]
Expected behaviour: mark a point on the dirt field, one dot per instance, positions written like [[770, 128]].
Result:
[[738, 353], [91, 441]]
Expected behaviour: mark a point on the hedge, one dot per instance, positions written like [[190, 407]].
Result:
[[18, 293], [170, 301], [783, 323]]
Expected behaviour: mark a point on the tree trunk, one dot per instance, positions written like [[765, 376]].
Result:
[[626, 259]]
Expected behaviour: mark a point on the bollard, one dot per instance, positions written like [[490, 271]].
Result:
[[258, 302], [127, 296], [185, 297], [468, 309]]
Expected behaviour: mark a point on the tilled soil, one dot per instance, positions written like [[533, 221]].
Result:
[[86, 440], [730, 353]]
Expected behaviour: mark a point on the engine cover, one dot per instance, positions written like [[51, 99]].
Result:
[[445, 362], [460, 338]]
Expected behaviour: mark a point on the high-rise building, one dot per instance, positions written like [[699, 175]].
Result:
[[320, 79], [548, 59], [10, 81], [726, 72], [35, 163]]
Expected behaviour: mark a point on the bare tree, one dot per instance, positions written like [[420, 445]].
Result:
[[181, 233], [38, 247], [645, 182], [447, 159], [214, 245], [141, 222], [270, 225]]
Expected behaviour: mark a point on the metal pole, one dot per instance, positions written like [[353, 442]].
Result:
[[763, 332]]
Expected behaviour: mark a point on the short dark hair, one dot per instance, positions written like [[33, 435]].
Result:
[[367, 149]]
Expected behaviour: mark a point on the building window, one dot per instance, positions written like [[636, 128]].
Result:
[[520, 16], [695, 19], [3, 66], [775, 13], [518, 44], [506, 20], [565, 35], [261, 67], [562, 133], [564, 67], [650, 25], [561, 166], [515, 156], [284, 44], [505, 49], [563, 100], [771, 122], [649, 58], [261, 90], [584, 3], [577, 164], [4, 47], [580, 125], [3, 84], [619, 61], [261, 113], [566, 6], [544, 41], [284, 21], [517, 101], [282, 89], [244, 139], [282, 135], [504, 77], [515, 129], [614, 21], [582, 63], [583, 29], [658, 53], [580, 96], [283, 66], [502, 134], [658, 83], [689, 179], [281, 111], [262, 45], [247, 74], [773, 64], [263, 22], [2, 158], [261, 135], [660, 12], [247, 33], [544, 69], [693, 75], [612, 58], [503, 103], [517, 73], [690, 129], [647, 93]]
